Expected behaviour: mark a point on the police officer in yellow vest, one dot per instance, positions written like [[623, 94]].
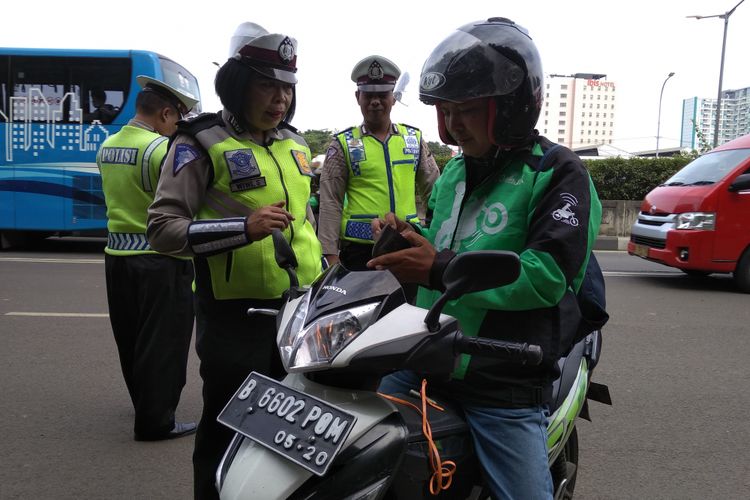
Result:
[[377, 167], [149, 294], [230, 179]]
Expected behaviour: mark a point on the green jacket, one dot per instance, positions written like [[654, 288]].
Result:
[[549, 214]]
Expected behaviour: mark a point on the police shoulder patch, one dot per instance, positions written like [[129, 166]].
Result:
[[303, 164], [184, 154]]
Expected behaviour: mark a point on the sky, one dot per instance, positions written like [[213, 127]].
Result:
[[636, 43]]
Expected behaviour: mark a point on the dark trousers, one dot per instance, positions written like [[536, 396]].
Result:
[[151, 312], [230, 344]]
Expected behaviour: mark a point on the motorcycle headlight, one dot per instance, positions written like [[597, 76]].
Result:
[[315, 346], [696, 220]]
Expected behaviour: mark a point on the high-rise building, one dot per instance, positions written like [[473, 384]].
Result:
[[578, 110], [699, 119]]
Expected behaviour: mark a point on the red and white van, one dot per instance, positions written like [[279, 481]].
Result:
[[699, 220]]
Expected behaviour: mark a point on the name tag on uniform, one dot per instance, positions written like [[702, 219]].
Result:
[[244, 171]]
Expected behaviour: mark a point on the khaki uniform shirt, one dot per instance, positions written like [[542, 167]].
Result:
[[335, 177]]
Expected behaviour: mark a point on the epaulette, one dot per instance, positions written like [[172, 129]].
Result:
[[192, 126], [408, 126], [288, 126], [344, 131]]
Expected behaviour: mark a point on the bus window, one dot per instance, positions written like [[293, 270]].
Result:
[[3, 88], [104, 84]]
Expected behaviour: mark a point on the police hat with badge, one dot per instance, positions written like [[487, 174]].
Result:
[[271, 54], [375, 74], [182, 100]]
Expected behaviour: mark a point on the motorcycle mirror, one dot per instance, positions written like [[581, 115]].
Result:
[[285, 257], [473, 272]]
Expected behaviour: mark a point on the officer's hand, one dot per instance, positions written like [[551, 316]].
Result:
[[264, 220], [331, 258], [390, 220], [411, 265]]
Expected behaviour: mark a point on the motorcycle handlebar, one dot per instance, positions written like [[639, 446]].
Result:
[[516, 352]]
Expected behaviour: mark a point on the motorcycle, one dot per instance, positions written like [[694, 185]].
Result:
[[324, 432]]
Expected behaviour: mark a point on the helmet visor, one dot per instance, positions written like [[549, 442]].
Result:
[[463, 67]]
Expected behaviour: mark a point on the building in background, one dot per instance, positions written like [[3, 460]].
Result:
[[579, 110], [699, 119]]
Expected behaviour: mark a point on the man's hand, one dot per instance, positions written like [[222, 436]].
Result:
[[390, 220], [264, 220], [331, 258], [411, 265]]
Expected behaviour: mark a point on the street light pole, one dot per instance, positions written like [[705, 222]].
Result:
[[658, 120], [725, 17]]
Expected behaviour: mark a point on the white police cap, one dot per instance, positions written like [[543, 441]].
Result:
[[375, 74]]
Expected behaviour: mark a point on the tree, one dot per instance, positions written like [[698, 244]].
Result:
[[441, 152], [318, 140]]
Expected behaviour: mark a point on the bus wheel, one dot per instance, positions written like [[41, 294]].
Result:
[[742, 272]]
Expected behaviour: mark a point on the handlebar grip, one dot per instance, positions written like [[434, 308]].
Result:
[[515, 352]]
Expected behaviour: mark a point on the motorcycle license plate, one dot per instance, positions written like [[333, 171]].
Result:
[[297, 426], [640, 250]]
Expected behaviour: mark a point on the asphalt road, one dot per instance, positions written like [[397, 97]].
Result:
[[675, 359]]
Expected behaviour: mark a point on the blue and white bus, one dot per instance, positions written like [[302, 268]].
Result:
[[50, 132]]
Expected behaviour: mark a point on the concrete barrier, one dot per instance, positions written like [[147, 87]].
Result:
[[618, 217]]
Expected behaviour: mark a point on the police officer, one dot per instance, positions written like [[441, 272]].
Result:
[[379, 166], [230, 179], [149, 294]]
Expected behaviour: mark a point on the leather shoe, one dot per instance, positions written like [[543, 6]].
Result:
[[180, 429]]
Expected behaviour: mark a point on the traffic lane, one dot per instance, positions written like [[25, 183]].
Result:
[[52, 283], [68, 420], [674, 357]]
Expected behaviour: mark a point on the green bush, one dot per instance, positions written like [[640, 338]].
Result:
[[632, 178]]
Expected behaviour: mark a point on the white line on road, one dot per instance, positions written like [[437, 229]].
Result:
[[53, 261], [658, 274], [59, 315]]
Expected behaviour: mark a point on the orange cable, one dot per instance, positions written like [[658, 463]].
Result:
[[442, 471]]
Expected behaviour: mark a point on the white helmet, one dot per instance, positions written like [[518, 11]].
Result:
[[244, 33]]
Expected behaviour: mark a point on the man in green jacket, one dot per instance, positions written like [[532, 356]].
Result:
[[511, 189], [149, 294]]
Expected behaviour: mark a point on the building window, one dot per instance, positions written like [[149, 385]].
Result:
[[563, 104], [564, 87], [561, 131], [563, 96], [562, 113], [561, 122]]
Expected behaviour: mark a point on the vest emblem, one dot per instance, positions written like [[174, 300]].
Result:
[[243, 168]]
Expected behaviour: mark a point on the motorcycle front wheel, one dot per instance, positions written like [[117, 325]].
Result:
[[565, 469]]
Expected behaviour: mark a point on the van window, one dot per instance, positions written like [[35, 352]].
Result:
[[709, 168]]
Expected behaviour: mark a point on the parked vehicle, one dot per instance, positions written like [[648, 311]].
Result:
[[697, 221], [323, 431], [56, 108]]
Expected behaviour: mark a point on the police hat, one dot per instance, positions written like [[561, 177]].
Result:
[[273, 55], [182, 100], [375, 74]]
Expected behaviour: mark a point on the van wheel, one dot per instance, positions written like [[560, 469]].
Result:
[[742, 272]]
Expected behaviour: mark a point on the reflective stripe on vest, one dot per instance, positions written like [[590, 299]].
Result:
[[127, 241]]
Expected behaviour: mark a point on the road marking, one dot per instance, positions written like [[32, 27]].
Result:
[[58, 315], [658, 274], [52, 261]]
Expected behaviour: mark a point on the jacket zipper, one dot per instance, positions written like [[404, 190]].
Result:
[[286, 192]]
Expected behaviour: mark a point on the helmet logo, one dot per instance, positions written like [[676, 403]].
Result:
[[375, 71], [286, 50], [432, 81]]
